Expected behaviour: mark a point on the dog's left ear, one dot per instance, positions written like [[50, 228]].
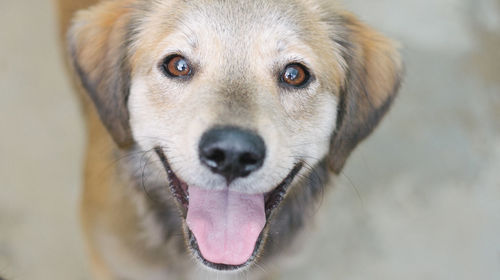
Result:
[[373, 77], [98, 48]]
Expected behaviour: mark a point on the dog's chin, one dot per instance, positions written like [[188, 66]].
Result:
[[271, 201]]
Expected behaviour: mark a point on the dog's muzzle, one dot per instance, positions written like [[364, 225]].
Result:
[[225, 227]]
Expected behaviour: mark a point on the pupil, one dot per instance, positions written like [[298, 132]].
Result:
[[292, 73], [181, 65]]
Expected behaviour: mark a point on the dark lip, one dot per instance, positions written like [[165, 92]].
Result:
[[272, 200], [177, 187], [276, 196]]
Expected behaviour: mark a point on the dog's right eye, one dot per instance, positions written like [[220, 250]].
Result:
[[176, 66]]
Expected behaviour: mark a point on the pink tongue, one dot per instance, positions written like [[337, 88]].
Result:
[[226, 224]]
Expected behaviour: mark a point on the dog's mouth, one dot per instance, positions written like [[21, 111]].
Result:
[[225, 228]]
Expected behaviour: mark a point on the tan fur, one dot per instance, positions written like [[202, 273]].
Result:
[[98, 184], [381, 60], [104, 26], [357, 71], [375, 77]]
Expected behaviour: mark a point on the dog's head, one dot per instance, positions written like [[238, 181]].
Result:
[[237, 99]]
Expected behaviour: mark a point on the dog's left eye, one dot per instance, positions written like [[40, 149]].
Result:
[[176, 66], [295, 75]]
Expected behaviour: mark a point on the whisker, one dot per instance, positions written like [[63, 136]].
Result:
[[260, 267], [314, 180], [148, 195], [116, 160], [358, 194], [301, 144]]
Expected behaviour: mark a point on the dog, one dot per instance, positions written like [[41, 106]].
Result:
[[214, 126]]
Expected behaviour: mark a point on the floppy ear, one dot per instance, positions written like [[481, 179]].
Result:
[[373, 77], [98, 48]]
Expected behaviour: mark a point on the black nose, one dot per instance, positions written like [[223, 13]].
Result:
[[232, 152]]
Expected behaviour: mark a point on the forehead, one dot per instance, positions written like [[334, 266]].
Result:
[[238, 23], [246, 30], [235, 23]]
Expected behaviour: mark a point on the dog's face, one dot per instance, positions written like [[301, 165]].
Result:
[[233, 74], [237, 99]]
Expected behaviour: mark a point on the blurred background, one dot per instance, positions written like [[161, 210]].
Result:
[[419, 200]]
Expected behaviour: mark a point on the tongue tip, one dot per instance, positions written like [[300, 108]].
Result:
[[233, 252], [225, 259]]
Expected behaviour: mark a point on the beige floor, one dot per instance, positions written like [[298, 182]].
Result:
[[419, 200]]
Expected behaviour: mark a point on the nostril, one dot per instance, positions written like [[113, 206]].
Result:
[[215, 157], [249, 159]]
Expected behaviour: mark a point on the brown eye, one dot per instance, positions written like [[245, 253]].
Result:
[[176, 66], [295, 75]]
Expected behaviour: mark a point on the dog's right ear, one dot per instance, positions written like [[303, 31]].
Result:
[[98, 48]]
